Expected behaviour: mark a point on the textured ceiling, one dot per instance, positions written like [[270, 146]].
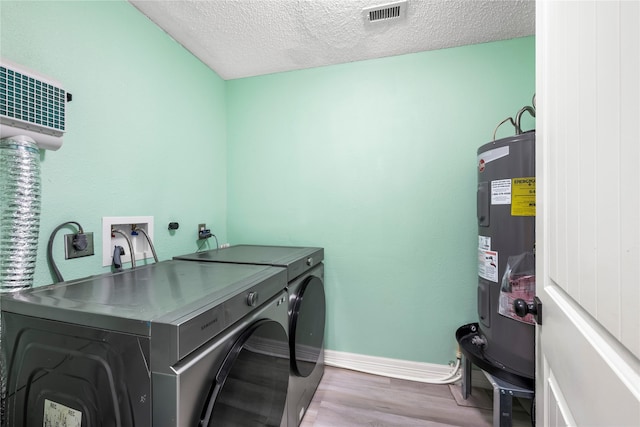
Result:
[[243, 38]]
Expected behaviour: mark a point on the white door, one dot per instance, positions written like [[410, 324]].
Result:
[[588, 213]]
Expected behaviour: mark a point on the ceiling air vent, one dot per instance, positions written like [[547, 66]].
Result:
[[386, 12]]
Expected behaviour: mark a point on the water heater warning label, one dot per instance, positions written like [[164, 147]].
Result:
[[488, 264], [523, 196], [57, 415], [501, 192]]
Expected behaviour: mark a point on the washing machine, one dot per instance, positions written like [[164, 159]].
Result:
[[171, 344], [305, 285]]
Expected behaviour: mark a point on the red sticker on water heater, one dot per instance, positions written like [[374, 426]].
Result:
[[490, 156]]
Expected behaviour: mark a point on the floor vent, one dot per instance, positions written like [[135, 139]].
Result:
[[391, 11]]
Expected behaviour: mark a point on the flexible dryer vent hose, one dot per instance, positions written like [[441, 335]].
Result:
[[19, 212], [19, 224]]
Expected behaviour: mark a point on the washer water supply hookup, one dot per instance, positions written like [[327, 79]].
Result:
[[118, 251]]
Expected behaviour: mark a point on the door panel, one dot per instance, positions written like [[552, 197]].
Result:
[[587, 366], [588, 227], [559, 415]]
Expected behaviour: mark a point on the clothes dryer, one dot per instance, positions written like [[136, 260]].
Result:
[[307, 311], [171, 344]]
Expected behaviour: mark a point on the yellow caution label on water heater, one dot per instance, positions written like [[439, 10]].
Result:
[[523, 196]]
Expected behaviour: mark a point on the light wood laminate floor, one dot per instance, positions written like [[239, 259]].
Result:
[[350, 399]]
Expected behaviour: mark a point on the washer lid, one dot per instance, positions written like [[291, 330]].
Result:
[[296, 259], [168, 293]]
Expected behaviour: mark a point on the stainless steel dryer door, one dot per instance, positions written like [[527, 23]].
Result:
[[306, 332], [250, 388], [239, 378]]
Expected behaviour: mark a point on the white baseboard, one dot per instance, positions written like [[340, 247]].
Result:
[[396, 368], [393, 368]]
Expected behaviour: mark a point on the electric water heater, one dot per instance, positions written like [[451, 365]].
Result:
[[506, 209]]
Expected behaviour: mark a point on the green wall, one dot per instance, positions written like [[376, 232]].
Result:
[[376, 162], [146, 127]]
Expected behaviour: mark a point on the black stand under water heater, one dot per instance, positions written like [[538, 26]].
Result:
[[502, 342]]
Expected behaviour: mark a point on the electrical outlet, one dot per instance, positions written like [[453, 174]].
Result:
[[73, 245], [203, 232]]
